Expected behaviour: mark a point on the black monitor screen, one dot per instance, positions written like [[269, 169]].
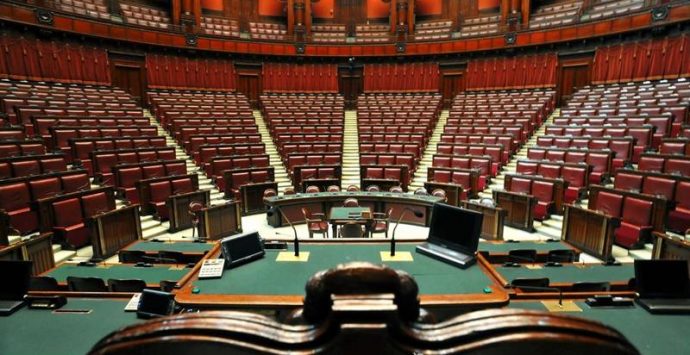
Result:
[[242, 248], [662, 278], [155, 303], [15, 283], [455, 227]]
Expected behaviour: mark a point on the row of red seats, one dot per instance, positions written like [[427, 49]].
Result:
[[392, 148], [624, 148], [394, 129], [277, 130], [675, 146], [526, 124], [196, 141], [397, 175], [60, 136], [575, 174], [310, 174], [468, 179], [311, 159], [42, 124], [679, 112], [662, 124], [311, 121], [24, 113], [173, 125], [103, 161], [505, 140], [206, 152], [70, 212], [31, 165], [184, 133], [160, 189], [14, 147], [543, 190], [235, 179], [284, 139], [12, 133], [17, 195], [482, 164], [126, 176], [637, 212], [676, 190], [668, 164], [420, 139], [313, 147], [81, 148], [600, 160], [519, 134], [499, 156], [215, 168]]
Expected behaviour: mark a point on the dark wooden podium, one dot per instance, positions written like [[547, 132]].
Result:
[[519, 209], [113, 230], [494, 217], [590, 231], [219, 221], [178, 208]]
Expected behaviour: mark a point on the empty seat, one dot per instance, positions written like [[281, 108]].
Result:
[[43, 188], [160, 191], [609, 204], [543, 192], [15, 201], [520, 185], [628, 182], [69, 224], [77, 182], [679, 218], [635, 225], [95, 204]]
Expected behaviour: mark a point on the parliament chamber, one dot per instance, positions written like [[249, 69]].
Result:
[[145, 141]]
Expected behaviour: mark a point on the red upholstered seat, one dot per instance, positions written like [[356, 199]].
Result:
[[374, 173], [15, 200], [679, 218], [160, 191], [366, 159], [95, 204], [5, 170], [543, 191], [128, 158], [181, 186], [259, 176], [53, 165], [527, 168], [577, 182], [153, 171], [549, 171], [650, 163], [520, 185], [172, 169], [600, 166], [166, 154], [326, 173], [45, 188], [72, 183], [635, 226], [69, 223], [442, 176], [25, 168], [393, 174], [127, 184], [609, 204], [678, 167], [309, 173], [239, 179], [628, 182], [659, 187]]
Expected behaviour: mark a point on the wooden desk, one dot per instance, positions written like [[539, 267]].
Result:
[[344, 215], [144, 189], [38, 249], [590, 231], [178, 208], [454, 192], [666, 247], [253, 196], [519, 209], [494, 218], [112, 230], [291, 205], [559, 187], [219, 221]]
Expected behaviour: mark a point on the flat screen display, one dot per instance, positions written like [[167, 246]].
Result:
[[455, 227], [16, 275], [662, 278], [155, 304], [242, 248]]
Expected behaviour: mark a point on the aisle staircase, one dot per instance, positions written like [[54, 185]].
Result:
[[350, 163], [431, 148], [281, 174]]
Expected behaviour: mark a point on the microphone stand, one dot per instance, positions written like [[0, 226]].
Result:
[[275, 209], [402, 214]]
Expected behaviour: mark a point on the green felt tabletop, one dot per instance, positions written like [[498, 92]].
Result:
[[33, 332], [571, 273], [343, 213], [506, 247], [652, 334], [184, 247], [150, 275], [268, 277]]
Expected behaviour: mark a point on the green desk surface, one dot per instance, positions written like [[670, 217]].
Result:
[[184, 247], [268, 277], [570, 273], [150, 275], [506, 247], [652, 334], [343, 213], [34, 332]]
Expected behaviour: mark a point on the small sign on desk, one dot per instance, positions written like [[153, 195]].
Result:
[[289, 256], [566, 306], [399, 256]]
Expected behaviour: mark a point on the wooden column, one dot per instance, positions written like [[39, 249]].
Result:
[[175, 11], [291, 17], [227, 8], [526, 11], [401, 24], [505, 10], [299, 14]]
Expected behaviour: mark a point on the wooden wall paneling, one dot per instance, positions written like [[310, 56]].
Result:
[[249, 81], [350, 83], [128, 71], [574, 71]]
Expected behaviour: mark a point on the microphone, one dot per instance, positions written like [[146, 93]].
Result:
[[540, 288], [271, 211], [417, 214]]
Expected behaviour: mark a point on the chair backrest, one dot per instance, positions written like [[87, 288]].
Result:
[[637, 211], [542, 190], [86, 284], [43, 283], [522, 255], [628, 182], [609, 203], [95, 204], [126, 285], [67, 212], [520, 185], [561, 256]]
